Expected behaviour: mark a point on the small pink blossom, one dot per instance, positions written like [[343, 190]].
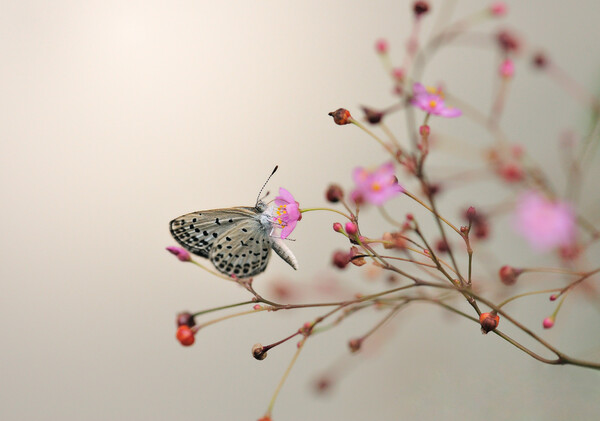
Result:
[[432, 102], [381, 46], [377, 186], [507, 69], [287, 212], [181, 253], [545, 223], [498, 8]]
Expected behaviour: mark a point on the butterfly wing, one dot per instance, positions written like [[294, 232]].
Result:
[[243, 250], [197, 232]]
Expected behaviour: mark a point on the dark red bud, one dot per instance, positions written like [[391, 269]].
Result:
[[341, 116]]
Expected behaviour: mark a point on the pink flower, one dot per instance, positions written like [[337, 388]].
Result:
[[182, 254], [432, 102], [378, 186], [287, 212], [544, 223], [498, 9]]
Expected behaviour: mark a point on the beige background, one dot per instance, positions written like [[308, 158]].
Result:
[[116, 116]]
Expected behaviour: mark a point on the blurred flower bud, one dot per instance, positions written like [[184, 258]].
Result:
[[548, 322], [508, 274], [373, 116], [420, 8], [381, 46], [341, 259], [355, 344], [186, 319], [334, 193], [181, 253]]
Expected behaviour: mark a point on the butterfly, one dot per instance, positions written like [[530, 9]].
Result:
[[238, 240]]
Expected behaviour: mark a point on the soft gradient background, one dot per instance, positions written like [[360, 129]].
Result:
[[117, 116]]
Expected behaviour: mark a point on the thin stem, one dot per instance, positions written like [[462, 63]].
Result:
[[326, 209], [525, 294], [285, 375], [419, 201], [210, 310]]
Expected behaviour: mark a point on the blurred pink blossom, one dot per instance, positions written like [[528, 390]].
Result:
[[544, 223], [377, 186], [432, 102]]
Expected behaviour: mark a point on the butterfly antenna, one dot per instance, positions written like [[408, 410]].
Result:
[[264, 185]]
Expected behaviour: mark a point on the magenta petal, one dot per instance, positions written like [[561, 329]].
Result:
[[450, 112], [284, 197], [293, 212], [287, 230], [419, 89]]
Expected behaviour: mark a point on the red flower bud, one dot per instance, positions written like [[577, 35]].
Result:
[[185, 335], [341, 259], [355, 344], [420, 8], [488, 321], [258, 352], [341, 116], [508, 274], [351, 228], [548, 322], [186, 319], [337, 227], [334, 193]]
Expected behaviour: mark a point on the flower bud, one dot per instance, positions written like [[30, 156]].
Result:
[[381, 46], [441, 246], [424, 130], [507, 69], [373, 116], [508, 41], [265, 418], [355, 344], [498, 8], [488, 321], [258, 352], [337, 227], [181, 253], [351, 228], [334, 193], [508, 274], [341, 259], [553, 297], [186, 319], [471, 214], [420, 8], [341, 116], [540, 60], [548, 322], [185, 335]]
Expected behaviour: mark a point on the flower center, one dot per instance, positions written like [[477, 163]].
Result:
[[376, 186], [433, 103]]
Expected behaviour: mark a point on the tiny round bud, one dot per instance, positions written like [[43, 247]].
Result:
[[381, 46], [373, 116], [508, 274], [508, 41], [540, 60], [341, 116], [464, 229], [337, 227], [507, 69], [265, 418], [186, 319], [355, 344], [334, 193], [548, 322], [341, 259], [553, 297], [257, 307], [420, 8], [424, 130], [511, 172], [398, 73], [185, 335], [442, 246], [351, 228], [258, 352], [488, 321], [410, 217], [498, 9]]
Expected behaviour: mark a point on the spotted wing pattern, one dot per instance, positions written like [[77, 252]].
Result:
[[243, 250], [197, 232]]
